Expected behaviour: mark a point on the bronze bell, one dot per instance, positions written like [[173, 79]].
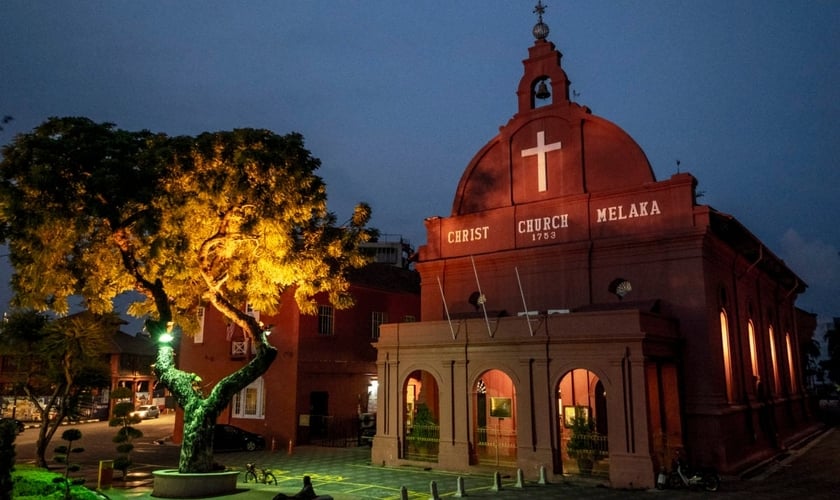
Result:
[[542, 91]]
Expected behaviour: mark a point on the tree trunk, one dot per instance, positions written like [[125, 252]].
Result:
[[197, 444], [47, 428], [41, 452], [200, 411]]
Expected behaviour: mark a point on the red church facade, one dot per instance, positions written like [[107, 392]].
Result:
[[325, 372], [568, 282]]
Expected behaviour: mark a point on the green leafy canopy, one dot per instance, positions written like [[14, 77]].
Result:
[[228, 218]]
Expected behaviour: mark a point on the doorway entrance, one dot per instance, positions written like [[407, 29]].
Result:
[[495, 420], [421, 421], [582, 424]]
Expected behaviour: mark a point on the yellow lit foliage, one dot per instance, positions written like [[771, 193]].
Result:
[[237, 216]]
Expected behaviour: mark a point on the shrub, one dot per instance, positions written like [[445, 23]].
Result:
[[32, 483], [8, 433]]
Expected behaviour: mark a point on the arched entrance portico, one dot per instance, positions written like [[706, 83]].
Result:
[[582, 425], [495, 419], [421, 421]]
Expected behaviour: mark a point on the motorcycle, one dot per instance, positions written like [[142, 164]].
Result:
[[682, 476]]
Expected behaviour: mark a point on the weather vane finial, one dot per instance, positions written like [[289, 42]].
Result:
[[540, 30]]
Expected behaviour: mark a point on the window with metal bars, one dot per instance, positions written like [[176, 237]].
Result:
[[325, 320]]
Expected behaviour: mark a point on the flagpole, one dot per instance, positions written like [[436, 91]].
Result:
[[481, 298]]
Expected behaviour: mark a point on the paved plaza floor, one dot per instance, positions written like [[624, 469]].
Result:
[[811, 470]]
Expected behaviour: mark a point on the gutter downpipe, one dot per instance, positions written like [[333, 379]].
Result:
[[737, 309]]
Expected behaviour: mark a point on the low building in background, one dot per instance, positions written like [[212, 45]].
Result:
[[324, 378]]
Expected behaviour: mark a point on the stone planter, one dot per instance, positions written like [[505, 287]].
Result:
[[169, 483], [585, 465]]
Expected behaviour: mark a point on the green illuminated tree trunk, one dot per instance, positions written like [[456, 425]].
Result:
[[200, 410]]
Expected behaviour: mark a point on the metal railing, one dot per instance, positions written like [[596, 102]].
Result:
[[496, 446], [326, 430], [422, 442]]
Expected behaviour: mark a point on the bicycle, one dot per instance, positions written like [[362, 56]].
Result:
[[682, 476], [261, 475]]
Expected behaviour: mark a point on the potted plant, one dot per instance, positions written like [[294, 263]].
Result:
[[584, 443]]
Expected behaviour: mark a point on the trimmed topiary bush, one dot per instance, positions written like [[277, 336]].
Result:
[[124, 419], [63, 454]]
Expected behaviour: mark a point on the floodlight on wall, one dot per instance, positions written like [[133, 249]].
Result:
[[620, 287]]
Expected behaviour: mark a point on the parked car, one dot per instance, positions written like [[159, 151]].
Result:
[[18, 424], [232, 438], [147, 411]]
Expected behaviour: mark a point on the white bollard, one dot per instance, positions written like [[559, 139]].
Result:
[[543, 480], [497, 481], [460, 492], [520, 479]]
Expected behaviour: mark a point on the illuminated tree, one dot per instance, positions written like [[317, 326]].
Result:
[[225, 219]]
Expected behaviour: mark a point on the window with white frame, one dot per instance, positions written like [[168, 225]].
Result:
[[325, 320], [199, 334], [250, 311], [376, 319], [250, 401]]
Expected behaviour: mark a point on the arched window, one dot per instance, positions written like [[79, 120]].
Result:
[[727, 355], [753, 353], [791, 366], [775, 365]]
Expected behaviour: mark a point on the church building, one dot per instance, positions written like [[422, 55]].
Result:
[[579, 316]]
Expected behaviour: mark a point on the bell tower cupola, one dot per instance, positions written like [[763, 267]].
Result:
[[544, 82]]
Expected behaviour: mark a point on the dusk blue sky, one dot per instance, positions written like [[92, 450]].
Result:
[[395, 97]]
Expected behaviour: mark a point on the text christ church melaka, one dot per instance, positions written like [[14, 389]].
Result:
[[579, 317]]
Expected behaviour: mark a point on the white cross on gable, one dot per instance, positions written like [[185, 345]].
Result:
[[540, 152]]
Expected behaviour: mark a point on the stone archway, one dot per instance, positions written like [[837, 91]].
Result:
[[582, 425], [421, 417], [495, 421]]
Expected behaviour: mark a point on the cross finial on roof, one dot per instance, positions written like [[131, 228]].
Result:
[[539, 9], [540, 30]]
